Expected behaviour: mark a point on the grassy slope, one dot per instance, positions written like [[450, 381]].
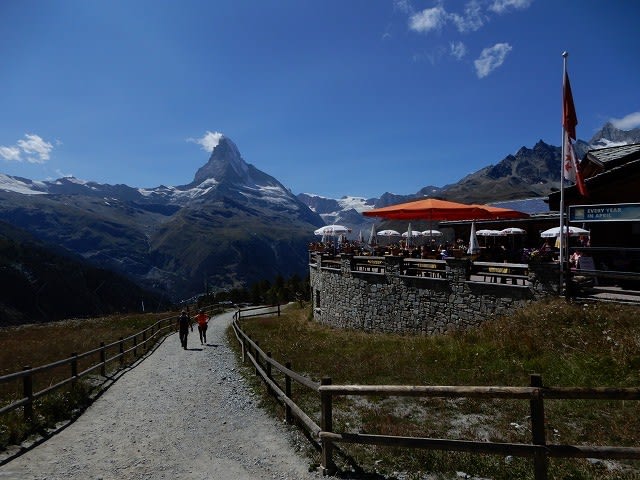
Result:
[[569, 345], [36, 345]]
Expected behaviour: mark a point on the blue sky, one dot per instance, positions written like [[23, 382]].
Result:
[[334, 97]]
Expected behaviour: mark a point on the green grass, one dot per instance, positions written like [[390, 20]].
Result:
[[35, 345], [569, 345]]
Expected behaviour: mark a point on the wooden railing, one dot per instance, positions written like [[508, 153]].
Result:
[[99, 358], [497, 273], [418, 267], [258, 311], [501, 273], [539, 449]]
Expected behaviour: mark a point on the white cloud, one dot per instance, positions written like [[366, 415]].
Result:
[[472, 20], [502, 6], [32, 149], [34, 144], [475, 15], [10, 153], [628, 122], [491, 58], [428, 20], [457, 49], [208, 141], [403, 6]]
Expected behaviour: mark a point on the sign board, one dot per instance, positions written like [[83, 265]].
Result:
[[617, 212]]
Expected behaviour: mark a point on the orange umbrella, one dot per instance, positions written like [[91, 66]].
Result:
[[499, 213], [431, 209]]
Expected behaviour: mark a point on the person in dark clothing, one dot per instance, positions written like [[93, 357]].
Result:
[[183, 324]]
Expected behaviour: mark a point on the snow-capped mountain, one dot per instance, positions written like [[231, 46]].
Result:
[[529, 173], [233, 225], [226, 173]]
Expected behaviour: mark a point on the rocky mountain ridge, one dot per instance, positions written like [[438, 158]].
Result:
[[233, 225], [529, 173]]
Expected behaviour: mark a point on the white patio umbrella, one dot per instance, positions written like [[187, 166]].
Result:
[[474, 246], [388, 233], [372, 235], [489, 233], [332, 230], [431, 233], [514, 231], [410, 234], [571, 231]]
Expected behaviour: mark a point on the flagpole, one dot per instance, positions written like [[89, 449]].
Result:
[[562, 160]]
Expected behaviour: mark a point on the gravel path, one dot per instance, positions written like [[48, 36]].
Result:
[[178, 414]]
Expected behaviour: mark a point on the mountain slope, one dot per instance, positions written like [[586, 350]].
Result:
[[44, 283], [231, 226]]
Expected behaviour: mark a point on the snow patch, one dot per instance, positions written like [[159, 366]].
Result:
[[10, 184], [605, 143], [357, 203]]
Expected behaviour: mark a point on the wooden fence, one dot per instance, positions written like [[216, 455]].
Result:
[[258, 311], [98, 359], [539, 449]]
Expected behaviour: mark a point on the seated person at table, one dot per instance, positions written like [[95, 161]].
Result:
[[575, 259]]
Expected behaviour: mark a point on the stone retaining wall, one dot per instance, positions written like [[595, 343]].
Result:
[[392, 303]]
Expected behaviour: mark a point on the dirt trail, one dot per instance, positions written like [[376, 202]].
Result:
[[178, 414]]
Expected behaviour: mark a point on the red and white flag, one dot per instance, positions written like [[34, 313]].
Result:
[[569, 117], [571, 165], [571, 168]]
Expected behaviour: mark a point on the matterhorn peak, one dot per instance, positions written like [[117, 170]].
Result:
[[225, 162]]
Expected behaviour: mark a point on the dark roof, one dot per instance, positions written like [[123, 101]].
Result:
[[612, 157], [616, 182]]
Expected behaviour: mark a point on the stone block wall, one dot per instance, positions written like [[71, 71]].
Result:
[[392, 303]]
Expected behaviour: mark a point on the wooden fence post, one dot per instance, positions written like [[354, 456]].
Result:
[[268, 370], [103, 360], [144, 341], [135, 346], [74, 367], [256, 357], [326, 424], [540, 460], [278, 309], [121, 348], [27, 391], [287, 391], [244, 349]]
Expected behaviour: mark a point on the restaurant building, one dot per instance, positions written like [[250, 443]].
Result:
[[610, 211]]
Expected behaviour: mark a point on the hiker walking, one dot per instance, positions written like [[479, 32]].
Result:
[[202, 320], [184, 323]]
